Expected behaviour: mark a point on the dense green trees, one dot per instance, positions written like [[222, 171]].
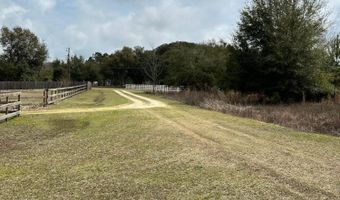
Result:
[[281, 44], [198, 66], [280, 50], [8, 71], [333, 53], [75, 69], [23, 55], [123, 67]]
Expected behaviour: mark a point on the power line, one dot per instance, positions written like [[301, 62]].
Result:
[[68, 63]]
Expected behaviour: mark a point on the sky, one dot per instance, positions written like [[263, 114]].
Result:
[[88, 26]]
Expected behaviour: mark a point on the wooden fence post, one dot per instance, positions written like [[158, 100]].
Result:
[[53, 93], [45, 97], [89, 85], [7, 101], [19, 105]]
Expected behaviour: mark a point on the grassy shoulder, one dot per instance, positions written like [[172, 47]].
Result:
[[163, 153]]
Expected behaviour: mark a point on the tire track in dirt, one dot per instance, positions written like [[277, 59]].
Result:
[[224, 152], [135, 99]]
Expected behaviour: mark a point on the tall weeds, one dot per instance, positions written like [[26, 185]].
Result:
[[321, 117]]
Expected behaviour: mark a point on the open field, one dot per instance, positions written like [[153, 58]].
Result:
[[160, 149]]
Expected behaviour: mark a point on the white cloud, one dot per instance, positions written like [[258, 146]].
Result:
[[219, 32], [333, 8], [107, 25], [150, 25], [334, 2], [76, 37], [11, 11], [46, 4]]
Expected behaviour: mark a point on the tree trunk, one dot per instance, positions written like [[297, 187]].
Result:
[[303, 97]]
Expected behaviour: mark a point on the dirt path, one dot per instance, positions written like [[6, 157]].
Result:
[[138, 102]]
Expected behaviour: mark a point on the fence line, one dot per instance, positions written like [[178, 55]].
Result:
[[52, 96], [150, 88], [17, 85], [11, 108]]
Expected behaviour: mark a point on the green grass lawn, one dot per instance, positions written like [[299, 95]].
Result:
[[97, 97], [179, 152]]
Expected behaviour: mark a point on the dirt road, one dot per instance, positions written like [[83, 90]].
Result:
[[137, 102]]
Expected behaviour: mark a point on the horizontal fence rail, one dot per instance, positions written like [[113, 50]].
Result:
[[10, 105], [52, 96], [151, 88], [24, 85]]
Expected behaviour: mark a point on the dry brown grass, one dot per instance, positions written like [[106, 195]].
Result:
[[321, 117]]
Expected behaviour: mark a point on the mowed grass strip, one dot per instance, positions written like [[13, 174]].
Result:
[[97, 97], [179, 152]]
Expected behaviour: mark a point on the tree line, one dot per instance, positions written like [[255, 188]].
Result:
[[280, 50]]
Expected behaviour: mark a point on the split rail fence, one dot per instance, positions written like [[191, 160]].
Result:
[[10, 105], [52, 96], [151, 88]]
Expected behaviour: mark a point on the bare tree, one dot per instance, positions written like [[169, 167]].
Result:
[[153, 67], [333, 51]]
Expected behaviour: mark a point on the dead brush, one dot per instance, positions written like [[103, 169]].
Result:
[[321, 117]]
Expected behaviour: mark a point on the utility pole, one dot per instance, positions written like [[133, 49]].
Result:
[[337, 50], [68, 64]]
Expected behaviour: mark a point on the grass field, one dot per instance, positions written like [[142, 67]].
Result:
[[175, 152]]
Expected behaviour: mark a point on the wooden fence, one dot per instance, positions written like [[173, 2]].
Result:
[[52, 96], [10, 105], [24, 85], [150, 88]]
